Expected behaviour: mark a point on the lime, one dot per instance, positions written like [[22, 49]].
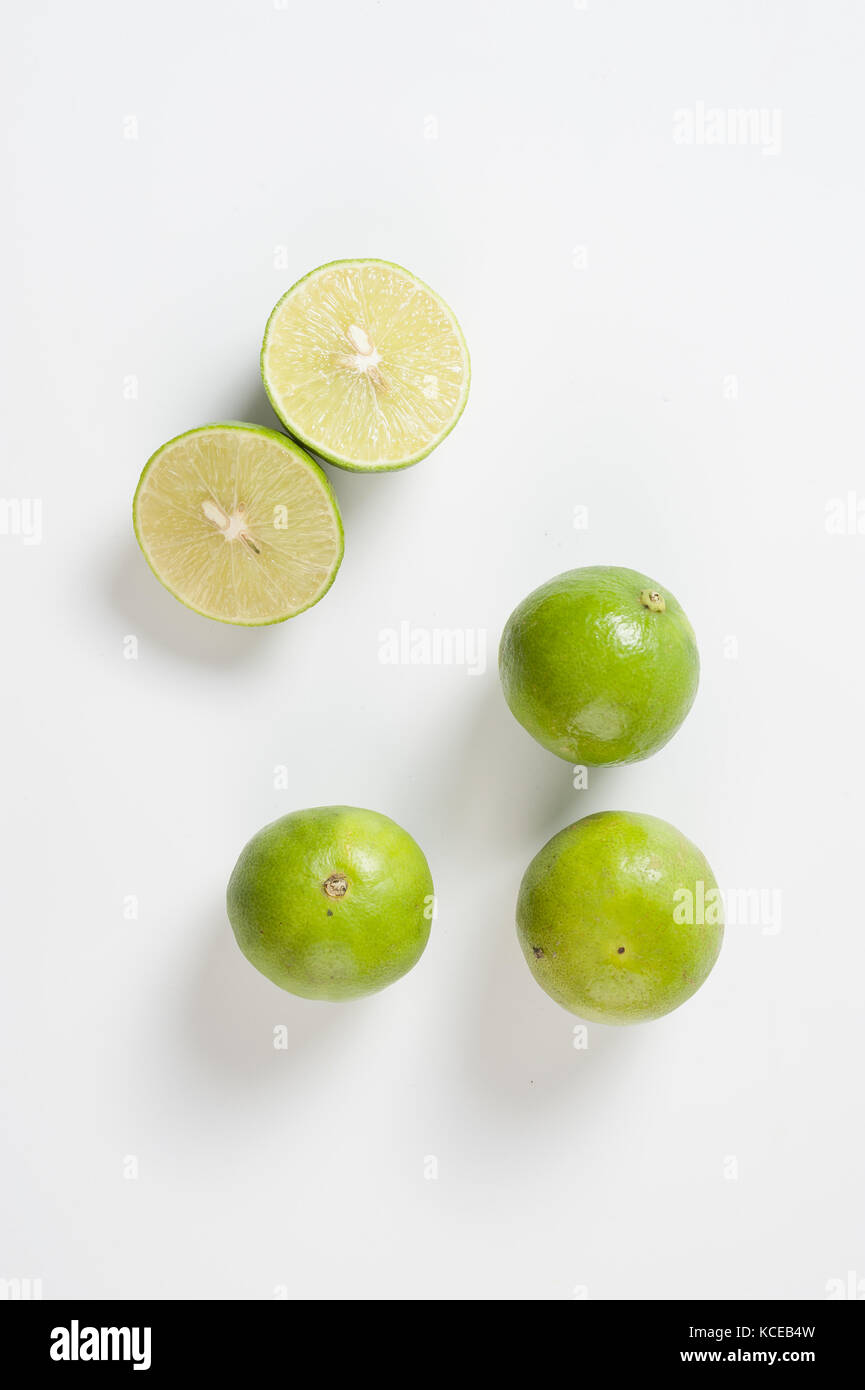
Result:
[[238, 523], [600, 665], [365, 364], [620, 918], [331, 903]]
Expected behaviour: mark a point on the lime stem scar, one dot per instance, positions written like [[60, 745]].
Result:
[[651, 599], [335, 886]]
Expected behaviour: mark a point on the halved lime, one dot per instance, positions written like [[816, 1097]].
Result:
[[365, 364], [238, 523]]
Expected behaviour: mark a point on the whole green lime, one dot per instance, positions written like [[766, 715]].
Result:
[[600, 665], [620, 918], [331, 903]]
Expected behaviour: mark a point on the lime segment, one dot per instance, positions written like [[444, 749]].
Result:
[[365, 364], [238, 523]]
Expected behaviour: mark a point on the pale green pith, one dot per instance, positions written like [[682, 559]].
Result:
[[365, 365], [239, 523]]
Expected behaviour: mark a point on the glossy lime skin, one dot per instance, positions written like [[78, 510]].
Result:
[[331, 947], [613, 921], [594, 674]]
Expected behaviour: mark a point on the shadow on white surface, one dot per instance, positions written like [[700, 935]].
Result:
[[492, 786], [524, 1049], [233, 1011], [358, 494], [150, 613], [502, 797], [252, 406]]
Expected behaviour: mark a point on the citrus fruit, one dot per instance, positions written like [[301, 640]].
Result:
[[239, 523], [620, 918], [600, 665], [365, 364], [331, 903]]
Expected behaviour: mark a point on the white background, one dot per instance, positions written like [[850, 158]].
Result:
[[667, 334]]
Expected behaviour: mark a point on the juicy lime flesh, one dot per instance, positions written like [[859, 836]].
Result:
[[239, 524], [600, 665], [365, 364], [619, 918], [331, 903]]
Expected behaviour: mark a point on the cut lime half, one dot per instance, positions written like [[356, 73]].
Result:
[[238, 523], [366, 365]]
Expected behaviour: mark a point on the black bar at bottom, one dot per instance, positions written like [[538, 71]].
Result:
[[69, 1337]]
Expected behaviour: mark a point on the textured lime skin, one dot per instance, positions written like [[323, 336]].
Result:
[[594, 674], [602, 918], [324, 947], [316, 446], [299, 453]]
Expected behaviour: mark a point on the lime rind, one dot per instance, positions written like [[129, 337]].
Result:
[[298, 457], [600, 665], [332, 903], [320, 447]]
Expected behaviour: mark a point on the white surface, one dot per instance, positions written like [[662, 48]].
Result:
[[296, 134]]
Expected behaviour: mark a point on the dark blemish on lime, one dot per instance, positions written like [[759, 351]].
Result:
[[621, 951], [330, 912], [539, 952]]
